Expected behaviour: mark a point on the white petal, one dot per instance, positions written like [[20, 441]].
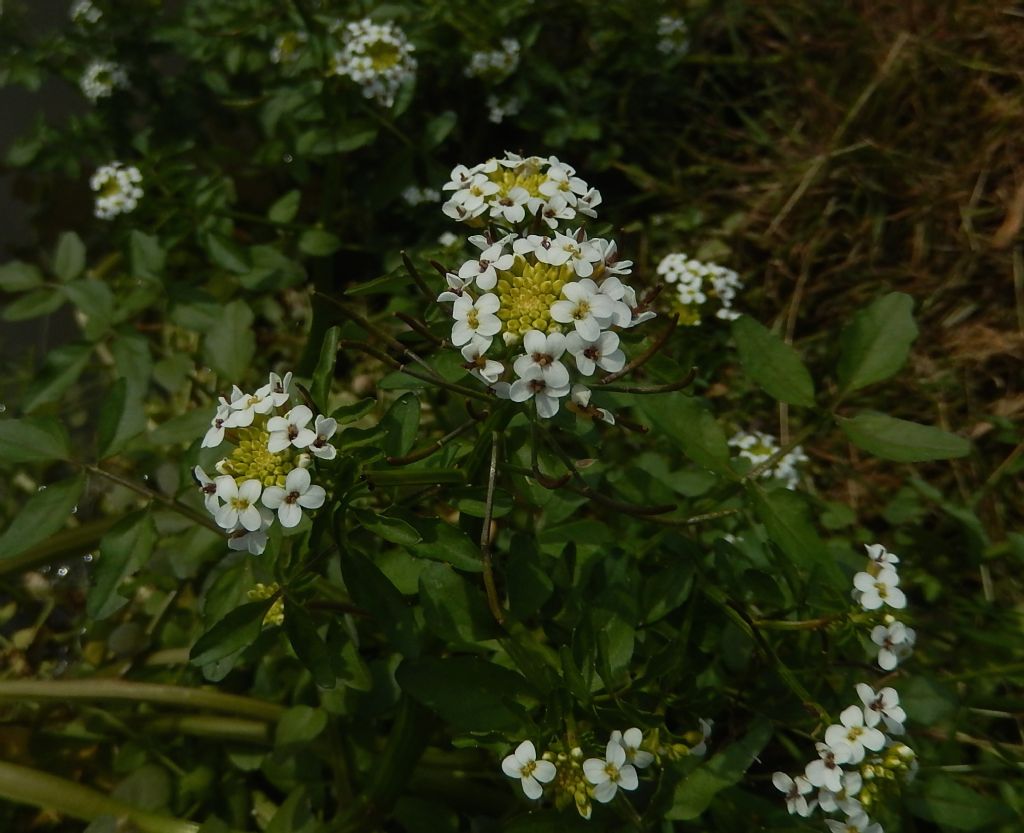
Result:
[[313, 498], [297, 481], [290, 514], [532, 788], [534, 341], [545, 771], [250, 490], [250, 518], [273, 496], [510, 766], [594, 771], [628, 779], [278, 442], [226, 487], [526, 752], [226, 517], [605, 792], [563, 311], [783, 783]]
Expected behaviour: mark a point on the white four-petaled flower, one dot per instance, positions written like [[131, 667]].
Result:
[[475, 318], [523, 764], [882, 706], [795, 790], [883, 588], [851, 731], [324, 428], [290, 430], [895, 642], [610, 774], [239, 507], [297, 494], [584, 307], [630, 740]]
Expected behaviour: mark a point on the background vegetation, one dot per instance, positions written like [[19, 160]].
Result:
[[831, 153]]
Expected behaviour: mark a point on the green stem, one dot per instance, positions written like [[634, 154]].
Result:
[[172, 695], [212, 726], [169, 502], [413, 477], [39, 789]]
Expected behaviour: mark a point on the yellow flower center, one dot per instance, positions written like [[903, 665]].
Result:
[[526, 292], [527, 769], [251, 460], [524, 176], [611, 771], [383, 55]]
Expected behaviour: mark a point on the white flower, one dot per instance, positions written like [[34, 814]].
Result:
[[510, 206], [495, 64], [83, 11], [895, 641], [532, 384], [523, 764], [499, 108], [254, 541], [117, 189], [483, 270], [101, 78], [587, 204], [376, 56], [705, 730], [638, 315], [239, 507], [630, 741], [580, 395], [590, 355], [881, 556], [209, 489], [584, 307], [854, 824], [288, 47], [543, 353], [611, 773], [279, 392], [324, 428], [883, 706], [561, 182], [880, 589], [795, 789], [290, 430], [854, 734], [215, 436], [448, 239], [475, 318], [456, 287], [826, 771], [296, 495], [487, 370], [245, 406], [555, 210], [674, 35]]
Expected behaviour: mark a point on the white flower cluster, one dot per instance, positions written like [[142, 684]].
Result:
[[267, 471], [117, 189], [288, 47], [579, 782], [696, 282], [499, 108], [877, 588], [413, 195], [378, 57], [673, 35], [863, 742], [757, 447], [101, 78], [495, 64], [84, 11], [545, 295]]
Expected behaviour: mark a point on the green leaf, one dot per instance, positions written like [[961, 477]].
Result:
[[235, 632], [309, 647], [285, 209], [230, 343], [444, 542], [318, 242], [33, 305], [470, 693], [786, 519], [351, 413], [400, 424], [41, 515], [438, 128], [901, 440], [695, 793], [300, 724], [226, 253], [774, 365], [123, 550], [323, 374], [685, 422], [17, 276], [355, 140], [95, 300], [876, 342], [372, 590], [33, 439], [956, 807], [390, 529], [145, 255], [62, 368], [121, 418], [454, 609], [69, 258]]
